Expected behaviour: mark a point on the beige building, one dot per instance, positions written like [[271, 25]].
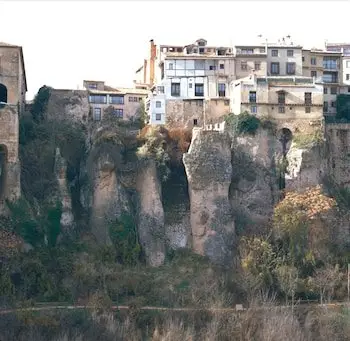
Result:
[[287, 100], [13, 88], [326, 68], [124, 103], [250, 59]]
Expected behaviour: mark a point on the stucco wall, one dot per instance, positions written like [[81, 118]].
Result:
[[182, 113]]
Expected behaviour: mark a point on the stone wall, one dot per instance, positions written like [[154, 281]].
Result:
[[9, 139], [182, 113], [338, 153]]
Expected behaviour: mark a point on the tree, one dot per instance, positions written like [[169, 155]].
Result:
[[287, 277], [326, 280]]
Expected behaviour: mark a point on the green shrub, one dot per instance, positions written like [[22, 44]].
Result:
[[308, 140], [244, 123]]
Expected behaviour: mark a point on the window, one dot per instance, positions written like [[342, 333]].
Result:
[[158, 104], [333, 104], [199, 89], [307, 110], [325, 106], [116, 99], [244, 66], [171, 66], [313, 60], [347, 77], [308, 98], [325, 90], [274, 53], [281, 110], [100, 99], [253, 109], [212, 67], [160, 89], [348, 64], [257, 65], [290, 68], [158, 117], [333, 90], [330, 63], [175, 89], [222, 89], [190, 85], [118, 113], [133, 99], [330, 77], [201, 50], [195, 122], [247, 51], [348, 89], [252, 96], [281, 97], [199, 65], [227, 102], [97, 114], [222, 66], [303, 58], [262, 50], [314, 74], [92, 86], [290, 53], [275, 68]]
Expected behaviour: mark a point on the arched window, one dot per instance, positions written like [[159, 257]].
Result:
[[3, 93]]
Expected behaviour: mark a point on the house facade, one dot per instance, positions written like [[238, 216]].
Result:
[[123, 103], [284, 99]]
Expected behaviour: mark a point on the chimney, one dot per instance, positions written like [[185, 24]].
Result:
[[153, 54]]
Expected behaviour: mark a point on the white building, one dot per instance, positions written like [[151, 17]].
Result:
[[194, 72]]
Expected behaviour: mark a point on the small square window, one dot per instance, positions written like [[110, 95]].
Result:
[[333, 90], [307, 110], [314, 74], [290, 53], [222, 66], [190, 85], [253, 109], [158, 104], [333, 104], [274, 53], [325, 91], [281, 110], [195, 122], [158, 117]]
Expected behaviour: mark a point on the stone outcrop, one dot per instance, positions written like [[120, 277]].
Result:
[[209, 171], [150, 214], [67, 218], [306, 167], [254, 191]]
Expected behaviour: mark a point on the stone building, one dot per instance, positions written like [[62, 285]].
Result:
[[124, 103], [294, 102], [326, 68], [13, 88]]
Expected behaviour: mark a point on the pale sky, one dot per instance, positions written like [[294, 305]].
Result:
[[65, 42]]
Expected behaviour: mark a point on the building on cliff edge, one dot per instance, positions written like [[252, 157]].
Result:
[[13, 88], [294, 102]]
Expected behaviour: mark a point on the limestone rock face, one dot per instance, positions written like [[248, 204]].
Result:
[[150, 214], [109, 198], [67, 218], [254, 191], [209, 171], [306, 167]]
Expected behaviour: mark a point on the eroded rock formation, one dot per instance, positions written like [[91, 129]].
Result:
[[209, 171]]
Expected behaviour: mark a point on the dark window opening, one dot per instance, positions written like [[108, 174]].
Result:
[[195, 122], [222, 89], [308, 98], [199, 89], [3, 93], [252, 96], [281, 97], [175, 89]]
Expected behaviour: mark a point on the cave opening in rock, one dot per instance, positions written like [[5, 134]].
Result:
[[285, 137], [3, 93], [3, 170]]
